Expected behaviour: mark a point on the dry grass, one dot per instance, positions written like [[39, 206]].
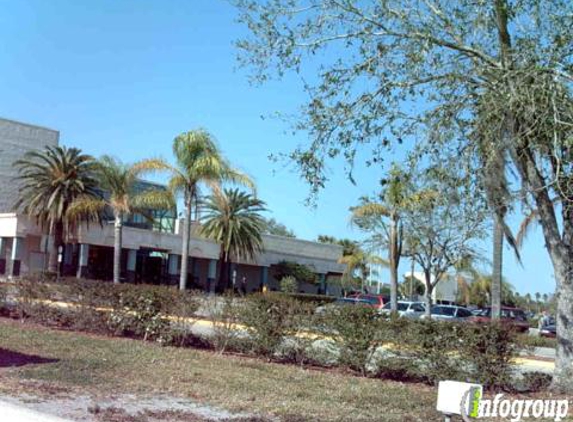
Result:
[[101, 366]]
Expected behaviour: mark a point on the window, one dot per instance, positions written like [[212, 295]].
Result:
[[463, 313]]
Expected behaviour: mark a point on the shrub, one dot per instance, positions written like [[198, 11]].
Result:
[[489, 350], [313, 299], [269, 320], [289, 284], [225, 314], [432, 347], [356, 331], [139, 314], [536, 381]]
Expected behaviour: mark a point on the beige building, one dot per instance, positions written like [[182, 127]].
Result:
[[151, 252]]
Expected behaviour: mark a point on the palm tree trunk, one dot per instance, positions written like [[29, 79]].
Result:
[[118, 234], [496, 278], [223, 269], [57, 231], [185, 242], [394, 260]]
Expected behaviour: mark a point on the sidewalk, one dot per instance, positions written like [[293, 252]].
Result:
[[14, 413]]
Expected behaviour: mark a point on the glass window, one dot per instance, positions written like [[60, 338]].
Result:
[[417, 307], [444, 310], [463, 313]]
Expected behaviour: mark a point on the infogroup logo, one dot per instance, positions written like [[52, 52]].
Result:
[[514, 410]]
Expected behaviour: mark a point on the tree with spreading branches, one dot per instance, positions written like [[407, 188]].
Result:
[[384, 72]]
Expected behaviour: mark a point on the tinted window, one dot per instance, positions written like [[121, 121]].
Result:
[[416, 307], [444, 310], [402, 306], [464, 313]]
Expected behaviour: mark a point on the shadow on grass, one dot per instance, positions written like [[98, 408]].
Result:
[[9, 358]]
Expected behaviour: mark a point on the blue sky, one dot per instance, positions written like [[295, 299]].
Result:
[[125, 77]]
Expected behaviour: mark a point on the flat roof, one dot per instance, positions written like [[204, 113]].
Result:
[[28, 124]]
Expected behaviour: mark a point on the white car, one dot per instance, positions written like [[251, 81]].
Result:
[[406, 309]]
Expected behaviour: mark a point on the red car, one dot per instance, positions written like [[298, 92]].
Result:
[[375, 301], [514, 316]]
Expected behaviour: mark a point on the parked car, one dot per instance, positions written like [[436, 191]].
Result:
[[343, 301], [514, 316], [406, 309], [548, 331], [375, 301], [449, 313]]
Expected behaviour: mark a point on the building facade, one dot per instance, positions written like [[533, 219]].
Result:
[[151, 251]]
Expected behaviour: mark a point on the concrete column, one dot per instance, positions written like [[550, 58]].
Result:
[[15, 257], [212, 276], [173, 268], [83, 270], [131, 265], [2, 255], [264, 279]]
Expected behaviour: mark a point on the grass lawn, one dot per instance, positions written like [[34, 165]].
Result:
[[101, 366]]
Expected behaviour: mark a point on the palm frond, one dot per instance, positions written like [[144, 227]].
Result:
[[525, 227]]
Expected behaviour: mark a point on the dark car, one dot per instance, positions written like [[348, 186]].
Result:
[[513, 316], [548, 331]]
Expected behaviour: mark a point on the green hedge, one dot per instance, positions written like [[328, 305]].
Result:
[[283, 328]]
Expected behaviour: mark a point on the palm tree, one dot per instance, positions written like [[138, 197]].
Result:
[[198, 160], [119, 183], [359, 261], [52, 180], [383, 219], [538, 300], [232, 218]]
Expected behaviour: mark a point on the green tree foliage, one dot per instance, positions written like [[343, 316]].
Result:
[[233, 219], [382, 220], [276, 228], [478, 291], [51, 181], [121, 195], [486, 78], [198, 162], [356, 259], [443, 225], [300, 272]]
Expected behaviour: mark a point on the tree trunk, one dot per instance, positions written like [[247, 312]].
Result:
[[496, 277], [563, 374], [428, 294], [394, 261], [118, 233], [185, 241], [57, 232], [222, 282]]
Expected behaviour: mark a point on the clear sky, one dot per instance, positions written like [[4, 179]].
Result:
[[124, 77]]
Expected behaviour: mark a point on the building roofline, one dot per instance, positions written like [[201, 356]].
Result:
[[312, 242], [29, 125]]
